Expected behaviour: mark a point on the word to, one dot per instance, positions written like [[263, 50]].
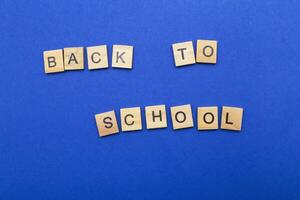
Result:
[[72, 58], [184, 52], [181, 118]]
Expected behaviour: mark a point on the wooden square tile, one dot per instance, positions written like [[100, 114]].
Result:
[[73, 57], [182, 117], [156, 116], [53, 61], [183, 53], [131, 119], [122, 56], [107, 123], [208, 118], [97, 57], [207, 51], [232, 118]]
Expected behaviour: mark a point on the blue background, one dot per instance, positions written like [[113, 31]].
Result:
[[49, 145]]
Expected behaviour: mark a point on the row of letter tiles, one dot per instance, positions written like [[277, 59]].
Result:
[[72, 58], [181, 116], [184, 52]]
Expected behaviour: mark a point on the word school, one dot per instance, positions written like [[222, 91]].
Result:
[[72, 58], [181, 118]]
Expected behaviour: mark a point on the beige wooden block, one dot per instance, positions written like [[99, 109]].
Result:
[[207, 51], [232, 118], [73, 57], [131, 119], [53, 61], [107, 123], [182, 117], [207, 118], [122, 56], [156, 116], [97, 57], [183, 53]]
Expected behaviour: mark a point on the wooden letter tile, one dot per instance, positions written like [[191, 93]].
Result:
[[183, 53], [73, 58], [182, 117], [122, 56], [131, 119], [53, 61], [156, 116], [232, 118], [207, 51], [208, 118], [97, 57], [107, 123]]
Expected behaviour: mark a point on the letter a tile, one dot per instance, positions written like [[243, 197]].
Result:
[[183, 53], [73, 57], [122, 56]]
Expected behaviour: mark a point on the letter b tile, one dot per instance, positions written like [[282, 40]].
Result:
[[53, 61]]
